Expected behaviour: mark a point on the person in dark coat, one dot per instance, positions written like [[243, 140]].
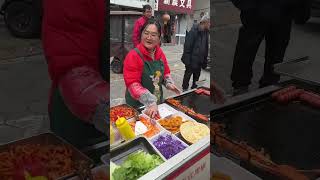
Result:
[[270, 20], [195, 52]]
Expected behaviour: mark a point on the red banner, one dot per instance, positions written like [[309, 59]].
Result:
[[199, 168], [177, 6]]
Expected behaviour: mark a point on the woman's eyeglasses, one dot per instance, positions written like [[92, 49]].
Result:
[[151, 34]]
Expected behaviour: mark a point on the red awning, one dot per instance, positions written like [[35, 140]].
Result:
[[178, 6]]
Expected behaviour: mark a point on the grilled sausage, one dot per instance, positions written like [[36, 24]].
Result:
[[310, 98], [289, 96], [283, 91], [199, 91], [206, 92], [202, 117]]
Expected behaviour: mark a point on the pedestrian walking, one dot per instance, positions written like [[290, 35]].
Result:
[[195, 52], [270, 20], [166, 28]]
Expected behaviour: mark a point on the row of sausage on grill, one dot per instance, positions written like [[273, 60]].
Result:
[[292, 93]]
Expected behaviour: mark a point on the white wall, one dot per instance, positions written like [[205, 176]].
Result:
[[201, 6], [130, 3], [186, 21]]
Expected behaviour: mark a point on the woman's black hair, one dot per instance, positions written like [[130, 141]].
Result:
[[151, 21], [146, 7]]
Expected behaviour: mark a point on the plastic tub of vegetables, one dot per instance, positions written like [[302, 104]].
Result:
[[135, 165], [168, 144], [144, 125]]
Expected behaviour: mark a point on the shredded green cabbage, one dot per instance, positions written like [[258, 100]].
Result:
[[136, 165]]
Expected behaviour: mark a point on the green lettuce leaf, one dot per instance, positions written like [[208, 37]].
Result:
[[136, 165]]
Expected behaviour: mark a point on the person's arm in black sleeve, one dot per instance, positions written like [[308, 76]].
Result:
[[187, 48]]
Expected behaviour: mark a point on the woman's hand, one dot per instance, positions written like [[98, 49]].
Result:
[[173, 88], [152, 110]]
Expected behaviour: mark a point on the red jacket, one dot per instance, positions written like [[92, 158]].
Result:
[[136, 35], [72, 36], [133, 68]]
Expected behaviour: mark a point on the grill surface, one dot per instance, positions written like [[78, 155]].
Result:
[[287, 132], [199, 103]]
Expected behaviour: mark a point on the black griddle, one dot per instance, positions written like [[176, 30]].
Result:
[[287, 132], [200, 103]]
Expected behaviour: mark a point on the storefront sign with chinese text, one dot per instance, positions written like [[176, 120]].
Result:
[[177, 6]]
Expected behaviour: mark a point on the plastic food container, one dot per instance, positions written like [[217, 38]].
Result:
[[168, 146]]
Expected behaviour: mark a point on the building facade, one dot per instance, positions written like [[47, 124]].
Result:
[[183, 13]]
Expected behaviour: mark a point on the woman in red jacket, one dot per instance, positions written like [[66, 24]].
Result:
[[73, 35], [146, 69]]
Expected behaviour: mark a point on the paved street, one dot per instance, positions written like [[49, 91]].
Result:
[[173, 54], [304, 42], [12, 48], [24, 87]]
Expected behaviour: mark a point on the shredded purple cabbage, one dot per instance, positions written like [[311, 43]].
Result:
[[168, 146]]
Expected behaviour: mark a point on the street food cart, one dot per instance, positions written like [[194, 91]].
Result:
[[179, 156], [121, 27]]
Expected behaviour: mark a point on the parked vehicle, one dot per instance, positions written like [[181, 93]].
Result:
[[22, 17]]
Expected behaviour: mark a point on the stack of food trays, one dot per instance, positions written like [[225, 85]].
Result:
[[169, 122], [166, 143]]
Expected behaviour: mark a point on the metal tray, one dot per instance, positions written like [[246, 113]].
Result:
[[184, 119], [286, 132], [156, 124], [126, 105], [121, 140], [165, 132], [164, 110], [106, 159], [120, 153], [50, 139]]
